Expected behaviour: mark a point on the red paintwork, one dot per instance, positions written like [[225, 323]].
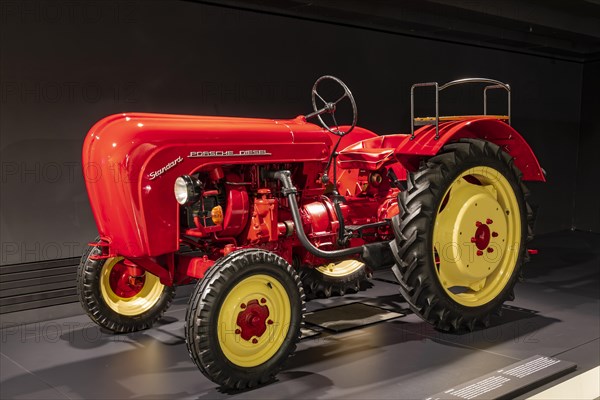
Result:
[[482, 236], [131, 161], [195, 267], [409, 152], [253, 319], [126, 281], [137, 215], [264, 222], [371, 154]]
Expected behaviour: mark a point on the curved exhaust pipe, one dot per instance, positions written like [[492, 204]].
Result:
[[289, 190]]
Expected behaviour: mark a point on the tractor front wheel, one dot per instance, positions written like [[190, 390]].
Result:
[[119, 296], [244, 318], [461, 234]]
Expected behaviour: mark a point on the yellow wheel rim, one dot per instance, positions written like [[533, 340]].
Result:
[[257, 302], [477, 236], [343, 268], [145, 298]]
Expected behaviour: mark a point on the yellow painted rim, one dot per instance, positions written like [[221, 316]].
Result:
[[480, 199], [136, 305], [246, 353], [343, 268]]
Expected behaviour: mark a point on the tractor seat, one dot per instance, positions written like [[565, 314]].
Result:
[[369, 154]]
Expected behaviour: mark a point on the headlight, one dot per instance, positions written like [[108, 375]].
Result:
[[187, 189]]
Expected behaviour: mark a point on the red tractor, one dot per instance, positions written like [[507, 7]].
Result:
[[266, 212]]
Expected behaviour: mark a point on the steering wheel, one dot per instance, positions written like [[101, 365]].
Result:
[[330, 107]]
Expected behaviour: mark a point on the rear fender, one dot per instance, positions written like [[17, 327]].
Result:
[[424, 145]]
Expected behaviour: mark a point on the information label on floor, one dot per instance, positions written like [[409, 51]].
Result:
[[510, 381]]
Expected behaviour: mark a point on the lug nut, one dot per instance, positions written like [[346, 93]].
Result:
[[478, 224], [263, 300], [479, 252], [489, 221], [494, 234], [242, 306], [254, 340], [237, 331], [490, 250], [270, 322], [473, 240]]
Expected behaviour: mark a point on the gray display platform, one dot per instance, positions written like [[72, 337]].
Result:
[[308, 333], [349, 316], [508, 382], [555, 314]]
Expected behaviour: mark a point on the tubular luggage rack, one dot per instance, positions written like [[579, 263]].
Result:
[[420, 121]]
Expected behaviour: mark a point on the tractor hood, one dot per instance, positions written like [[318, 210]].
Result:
[[130, 163]]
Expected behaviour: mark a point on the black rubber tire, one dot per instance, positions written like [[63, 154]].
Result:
[[91, 299], [318, 285], [413, 230], [203, 312]]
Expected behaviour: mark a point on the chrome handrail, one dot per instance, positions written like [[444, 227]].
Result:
[[503, 86], [495, 84], [412, 107]]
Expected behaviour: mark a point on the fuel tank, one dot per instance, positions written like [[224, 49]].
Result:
[[130, 163]]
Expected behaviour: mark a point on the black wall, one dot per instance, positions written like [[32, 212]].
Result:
[[587, 202], [64, 65]]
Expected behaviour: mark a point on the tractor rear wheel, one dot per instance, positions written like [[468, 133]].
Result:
[[244, 318], [117, 300], [348, 276], [460, 237]]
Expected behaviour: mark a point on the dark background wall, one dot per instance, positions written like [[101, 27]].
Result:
[[64, 65], [587, 202]]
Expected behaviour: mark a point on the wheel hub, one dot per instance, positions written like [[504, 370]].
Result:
[[253, 319], [126, 281], [482, 236]]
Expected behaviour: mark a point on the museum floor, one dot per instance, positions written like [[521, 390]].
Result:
[[556, 313]]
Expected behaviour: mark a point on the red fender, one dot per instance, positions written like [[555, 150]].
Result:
[[410, 152]]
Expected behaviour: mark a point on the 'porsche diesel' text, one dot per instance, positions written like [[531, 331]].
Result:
[[228, 153]]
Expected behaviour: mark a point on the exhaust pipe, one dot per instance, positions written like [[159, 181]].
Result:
[[289, 190]]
